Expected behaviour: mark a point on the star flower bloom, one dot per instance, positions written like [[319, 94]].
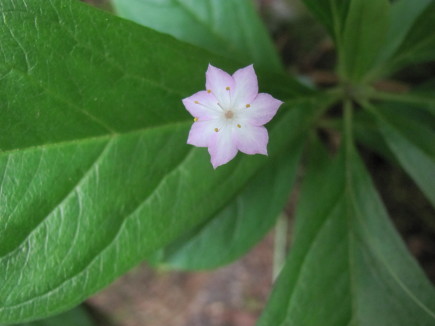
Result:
[[229, 115]]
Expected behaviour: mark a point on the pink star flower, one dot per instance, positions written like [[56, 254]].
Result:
[[229, 115]]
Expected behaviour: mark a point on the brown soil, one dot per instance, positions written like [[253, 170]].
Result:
[[230, 296]]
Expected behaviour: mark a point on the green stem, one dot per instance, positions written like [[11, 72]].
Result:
[[348, 126], [280, 245]]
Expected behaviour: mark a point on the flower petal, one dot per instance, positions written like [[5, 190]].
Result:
[[201, 133], [245, 88], [220, 83], [221, 147], [262, 109], [202, 105], [251, 139]]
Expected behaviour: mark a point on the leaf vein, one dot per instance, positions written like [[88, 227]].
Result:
[[110, 243], [28, 187], [328, 215], [67, 196]]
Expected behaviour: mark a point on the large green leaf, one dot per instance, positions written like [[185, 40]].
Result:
[[347, 263], [363, 35], [75, 317], [240, 225], [412, 141], [95, 172], [231, 28]]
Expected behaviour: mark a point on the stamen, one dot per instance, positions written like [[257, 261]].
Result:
[[228, 88], [248, 105], [209, 91], [196, 102], [216, 129], [195, 119], [239, 126]]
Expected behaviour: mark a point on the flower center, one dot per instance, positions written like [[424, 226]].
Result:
[[229, 114]]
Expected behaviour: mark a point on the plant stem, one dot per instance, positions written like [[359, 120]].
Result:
[[280, 245], [348, 127]]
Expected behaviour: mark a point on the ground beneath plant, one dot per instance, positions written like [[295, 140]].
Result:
[[230, 296]]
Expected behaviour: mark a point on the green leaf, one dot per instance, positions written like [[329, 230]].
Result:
[[241, 224], [412, 141], [404, 14], [363, 36], [347, 263], [230, 28], [421, 98], [358, 41], [331, 13], [410, 38], [76, 317], [367, 133], [95, 173]]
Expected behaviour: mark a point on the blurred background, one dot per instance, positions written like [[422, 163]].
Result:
[[235, 295]]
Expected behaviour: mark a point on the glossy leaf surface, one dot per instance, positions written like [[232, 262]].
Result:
[[347, 262], [230, 28], [95, 172]]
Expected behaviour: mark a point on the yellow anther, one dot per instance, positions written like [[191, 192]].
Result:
[[228, 88], [195, 119], [208, 91], [196, 102], [248, 105], [239, 126], [216, 129]]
